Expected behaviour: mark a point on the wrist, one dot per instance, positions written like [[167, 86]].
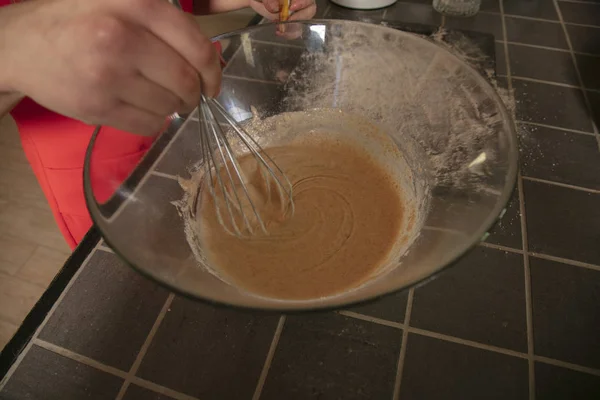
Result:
[[10, 38]]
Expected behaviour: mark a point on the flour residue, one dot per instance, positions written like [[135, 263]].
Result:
[[439, 117]]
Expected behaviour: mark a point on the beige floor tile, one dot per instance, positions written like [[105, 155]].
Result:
[[14, 250], [13, 159], [9, 136], [8, 267], [7, 330], [43, 266], [22, 188], [17, 297], [32, 224]]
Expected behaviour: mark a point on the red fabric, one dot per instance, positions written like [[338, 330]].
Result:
[[55, 147]]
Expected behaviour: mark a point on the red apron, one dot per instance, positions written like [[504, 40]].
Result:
[[55, 147]]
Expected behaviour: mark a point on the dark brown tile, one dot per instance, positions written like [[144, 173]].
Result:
[[208, 352], [237, 95], [554, 105], [391, 307], [183, 154], [566, 312], [330, 356], [594, 98], [321, 8], [420, 13], [149, 230], [135, 392], [563, 222], [435, 369], [482, 22], [543, 9], [111, 324], [539, 33], [44, 375], [337, 12], [584, 39], [500, 59], [272, 63], [546, 65], [490, 6], [507, 231], [580, 12], [559, 156], [589, 67], [481, 298], [556, 383]]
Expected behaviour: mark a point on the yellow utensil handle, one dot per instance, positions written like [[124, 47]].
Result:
[[284, 13]]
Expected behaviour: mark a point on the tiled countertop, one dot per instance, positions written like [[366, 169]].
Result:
[[517, 318]]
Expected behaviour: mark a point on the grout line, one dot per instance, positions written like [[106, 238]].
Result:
[[547, 20], [526, 272], [404, 344], [163, 175], [469, 343], [265, 371], [106, 249], [265, 42], [24, 352], [145, 346], [577, 71], [368, 318], [242, 78], [565, 261], [567, 365], [501, 248], [579, 2], [506, 53], [527, 283], [111, 370], [162, 389], [384, 14], [567, 85], [520, 122], [61, 351], [148, 173], [565, 185], [537, 46], [326, 10]]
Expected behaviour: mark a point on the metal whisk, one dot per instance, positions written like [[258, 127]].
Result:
[[225, 178]]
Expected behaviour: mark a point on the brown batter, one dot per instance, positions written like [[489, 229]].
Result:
[[347, 219]]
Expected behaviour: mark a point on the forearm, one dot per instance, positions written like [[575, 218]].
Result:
[[8, 96], [202, 7]]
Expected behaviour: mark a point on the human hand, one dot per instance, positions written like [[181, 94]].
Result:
[[127, 64], [300, 9]]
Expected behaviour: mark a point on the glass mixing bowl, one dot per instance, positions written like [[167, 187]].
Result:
[[446, 119]]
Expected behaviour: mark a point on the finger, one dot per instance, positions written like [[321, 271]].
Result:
[[301, 4], [304, 14], [272, 6], [132, 119], [159, 63], [291, 31], [148, 96], [260, 8], [179, 32]]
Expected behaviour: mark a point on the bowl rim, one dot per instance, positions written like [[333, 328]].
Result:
[[314, 305]]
